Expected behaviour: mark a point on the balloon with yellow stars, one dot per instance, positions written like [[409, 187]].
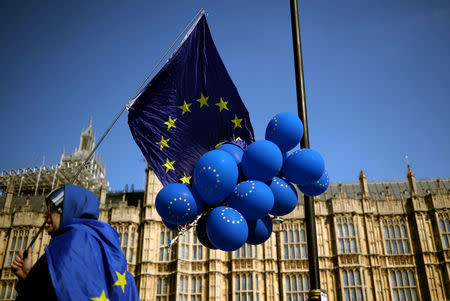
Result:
[[176, 204], [285, 130], [262, 161], [285, 197], [318, 187], [303, 167], [253, 199], [215, 175], [226, 228]]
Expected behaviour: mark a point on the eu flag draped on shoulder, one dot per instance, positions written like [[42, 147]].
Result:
[[84, 260], [188, 108]]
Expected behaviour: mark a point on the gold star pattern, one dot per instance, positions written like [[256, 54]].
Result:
[[185, 107], [163, 143], [101, 298], [186, 179], [170, 123], [219, 144], [169, 165], [222, 105], [121, 280], [237, 121], [203, 101], [231, 218]]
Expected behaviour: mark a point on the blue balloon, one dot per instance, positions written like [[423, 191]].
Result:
[[253, 199], [226, 228], [285, 130], [285, 197], [202, 236], [259, 230], [215, 175], [318, 187], [233, 150], [173, 227], [176, 204], [262, 161], [197, 195], [303, 167]]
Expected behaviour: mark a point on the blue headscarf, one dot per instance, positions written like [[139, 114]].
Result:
[[78, 202]]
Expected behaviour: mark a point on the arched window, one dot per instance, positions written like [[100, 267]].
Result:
[[294, 241], [403, 285], [395, 236], [352, 285], [346, 235]]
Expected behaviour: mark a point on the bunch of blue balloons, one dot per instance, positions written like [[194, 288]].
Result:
[[237, 190]]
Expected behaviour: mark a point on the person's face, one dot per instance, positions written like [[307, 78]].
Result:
[[52, 218]]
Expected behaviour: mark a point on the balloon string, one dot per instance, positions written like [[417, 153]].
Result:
[[184, 229], [187, 227]]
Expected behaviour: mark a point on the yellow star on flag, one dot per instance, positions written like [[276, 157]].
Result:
[[168, 165], [219, 144], [237, 121], [238, 139], [186, 179], [222, 105], [203, 101], [163, 143], [101, 298], [185, 107], [121, 280], [170, 123]]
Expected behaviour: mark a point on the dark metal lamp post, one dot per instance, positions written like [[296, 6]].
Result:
[[313, 259], [276, 220]]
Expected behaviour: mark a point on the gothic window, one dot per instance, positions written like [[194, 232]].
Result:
[[161, 290], [246, 251], [127, 235], [296, 287], [444, 228], [403, 285], [346, 235], [19, 242], [197, 249], [257, 289], [7, 291], [190, 248], [183, 292], [294, 242], [185, 242], [395, 237], [352, 285], [196, 289], [243, 287], [165, 237]]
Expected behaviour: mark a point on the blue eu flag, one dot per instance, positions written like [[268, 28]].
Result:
[[85, 260], [188, 108]]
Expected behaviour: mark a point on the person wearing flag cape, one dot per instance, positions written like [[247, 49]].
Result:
[[83, 259]]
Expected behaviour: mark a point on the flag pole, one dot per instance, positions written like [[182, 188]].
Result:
[[313, 259]]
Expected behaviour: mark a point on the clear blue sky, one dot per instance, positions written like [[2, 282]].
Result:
[[377, 77]]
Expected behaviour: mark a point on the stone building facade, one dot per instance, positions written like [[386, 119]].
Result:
[[376, 241]]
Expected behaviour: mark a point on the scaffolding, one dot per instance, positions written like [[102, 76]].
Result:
[[40, 180]]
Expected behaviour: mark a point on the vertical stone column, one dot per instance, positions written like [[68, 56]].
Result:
[[9, 195]]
